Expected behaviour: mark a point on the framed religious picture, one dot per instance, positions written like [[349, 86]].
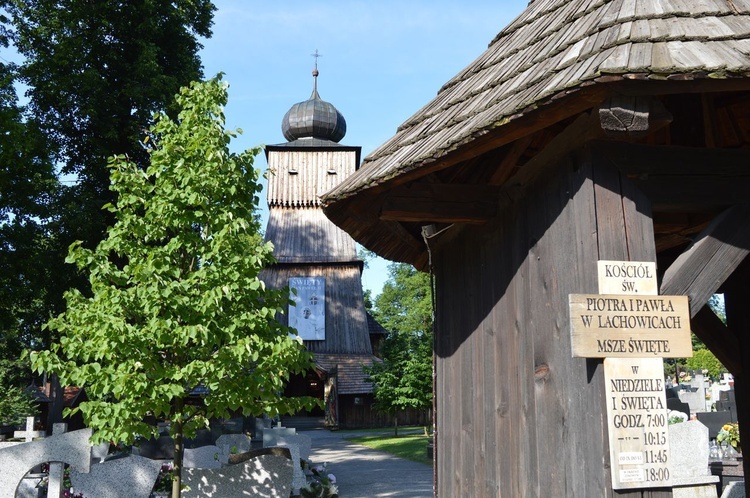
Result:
[[308, 314]]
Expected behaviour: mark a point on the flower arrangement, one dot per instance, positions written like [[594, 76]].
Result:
[[321, 484], [67, 485], [164, 479], [676, 417], [731, 434]]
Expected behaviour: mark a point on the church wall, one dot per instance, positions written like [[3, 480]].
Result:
[[298, 177], [346, 322], [305, 235], [516, 414]]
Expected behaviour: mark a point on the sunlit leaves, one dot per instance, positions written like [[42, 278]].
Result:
[[176, 298], [404, 378]]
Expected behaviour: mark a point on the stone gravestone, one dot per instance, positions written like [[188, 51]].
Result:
[[299, 446], [72, 448], [56, 472], [727, 403], [203, 437], [267, 475], [735, 489], [129, 476], [688, 462], [29, 434], [677, 405], [161, 448], [693, 396], [233, 443], [205, 457], [714, 421]]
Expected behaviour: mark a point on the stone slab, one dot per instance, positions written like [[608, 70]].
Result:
[[129, 477], [302, 441], [698, 491], [735, 489], [72, 448], [266, 476], [205, 457], [688, 445], [233, 443], [161, 448]]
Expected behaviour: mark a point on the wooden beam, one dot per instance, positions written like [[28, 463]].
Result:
[[644, 161], [585, 127], [507, 166], [684, 179], [624, 116], [710, 260], [694, 194], [441, 203], [718, 338]]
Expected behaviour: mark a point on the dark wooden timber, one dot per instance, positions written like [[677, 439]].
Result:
[[722, 341], [737, 297], [711, 259], [441, 203]]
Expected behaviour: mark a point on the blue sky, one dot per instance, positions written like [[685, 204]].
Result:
[[381, 62]]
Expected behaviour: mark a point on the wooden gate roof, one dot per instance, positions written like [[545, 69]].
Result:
[[556, 59]]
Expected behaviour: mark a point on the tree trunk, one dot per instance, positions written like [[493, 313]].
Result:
[[395, 424], [178, 452]]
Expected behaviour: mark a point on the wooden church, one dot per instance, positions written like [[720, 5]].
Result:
[[319, 262], [588, 131]]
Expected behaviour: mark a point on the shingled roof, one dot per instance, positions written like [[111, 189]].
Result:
[[554, 50], [351, 377], [553, 47]]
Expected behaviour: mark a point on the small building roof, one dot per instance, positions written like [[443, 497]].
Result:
[[374, 326], [557, 58], [351, 379]]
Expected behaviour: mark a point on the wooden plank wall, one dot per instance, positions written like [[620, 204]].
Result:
[[305, 235], [516, 414], [346, 321], [353, 416], [297, 177]]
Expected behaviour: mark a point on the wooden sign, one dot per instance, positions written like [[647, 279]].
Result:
[[629, 326], [627, 277], [637, 421]]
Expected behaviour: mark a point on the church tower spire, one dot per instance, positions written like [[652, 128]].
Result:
[[314, 117]]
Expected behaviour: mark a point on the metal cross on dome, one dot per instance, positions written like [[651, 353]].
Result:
[[316, 55]]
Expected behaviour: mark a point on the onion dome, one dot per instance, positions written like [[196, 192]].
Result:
[[313, 118]]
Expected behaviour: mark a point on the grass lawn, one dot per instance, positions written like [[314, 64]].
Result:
[[411, 446]]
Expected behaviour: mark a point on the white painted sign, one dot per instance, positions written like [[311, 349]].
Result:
[[308, 315], [637, 421], [627, 277], [629, 326]]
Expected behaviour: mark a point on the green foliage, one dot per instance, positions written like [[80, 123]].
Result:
[[94, 74], [716, 303], [404, 378], [704, 359], [410, 447], [27, 181], [15, 403], [176, 300]]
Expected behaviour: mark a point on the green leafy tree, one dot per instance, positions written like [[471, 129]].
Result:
[[15, 403], [176, 301], [27, 183], [704, 359], [94, 73], [404, 378]]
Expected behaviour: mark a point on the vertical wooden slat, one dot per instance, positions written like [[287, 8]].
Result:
[[737, 297], [506, 285]]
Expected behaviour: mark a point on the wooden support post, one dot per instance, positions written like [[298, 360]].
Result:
[[736, 298]]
